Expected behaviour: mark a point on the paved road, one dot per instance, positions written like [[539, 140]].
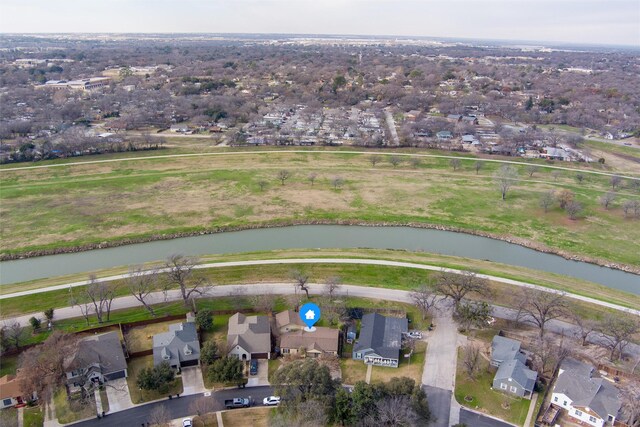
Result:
[[440, 405], [178, 408], [476, 420], [332, 261], [391, 124]]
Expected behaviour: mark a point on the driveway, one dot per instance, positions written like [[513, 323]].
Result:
[[439, 404], [263, 375], [118, 395], [192, 381], [440, 362], [477, 420]]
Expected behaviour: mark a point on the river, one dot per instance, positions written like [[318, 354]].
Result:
[[317, 236]]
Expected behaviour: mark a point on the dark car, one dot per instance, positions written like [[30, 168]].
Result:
[[253, 367]]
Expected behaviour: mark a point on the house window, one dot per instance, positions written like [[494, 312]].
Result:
[[555, 398], [285, 351], [513, 389], [564, 403], [592, 419], [503, 386], [6, 402], [578, 413]]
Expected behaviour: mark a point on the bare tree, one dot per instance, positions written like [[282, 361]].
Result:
[[550, 354], [455, 164], [301, 280], [478, 165], [374, 159], [332, 285], [160, 416], [531, 169], [202, 405], [573, 209], [424, 298], [394, 411], [283, 175], [84, 304], [547, 199], [505, 178], [312, 178], [471, 359], [101, 295], [615, 181], [415, 162], [616, 333], [579, 177], [457, 286], [141, 283], [630, 410], [262, 184], [538, 308], [395, 161], [556, 174], [264, 303], [607, 198], [337, 182], [180, 272], [631, 208], [586, 327]]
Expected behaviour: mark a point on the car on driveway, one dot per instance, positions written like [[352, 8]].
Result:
[[187, 422], [253, 367], [416, 335], [271, 400]]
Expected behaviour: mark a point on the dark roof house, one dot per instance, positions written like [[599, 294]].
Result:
[[503, 349], [180, 346], [514, 377], [380, 340], [96, 358]]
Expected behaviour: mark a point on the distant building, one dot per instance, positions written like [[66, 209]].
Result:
[[587, 398], [83, 84], [380, 340], [179, 346], [444, 135], [249, 337]]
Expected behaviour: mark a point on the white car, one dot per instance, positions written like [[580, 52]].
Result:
[[187, 422], [271, 400], [415, 335]]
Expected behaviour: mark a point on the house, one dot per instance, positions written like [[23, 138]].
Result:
[[586, 398], [321, 341], [554, 153], [98, 358], [288, 321], [469, 139], [11, 393], [380, 340], [179, 346], [181, 128], [444, 134], [504, 349], [514, 377], [249, 337]]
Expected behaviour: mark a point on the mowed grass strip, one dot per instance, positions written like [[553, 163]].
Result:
[[84, 204]]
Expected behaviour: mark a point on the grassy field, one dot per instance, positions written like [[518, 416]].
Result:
[[254, 417], [33, 417], [501, 405], [68, 411], [75, 205], [134, 367], [207, 420]]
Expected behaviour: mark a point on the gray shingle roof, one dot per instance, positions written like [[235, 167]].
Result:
[[518, 372], [381, 335], [174, 346], [104, 350], [576, 382], [503, 349]]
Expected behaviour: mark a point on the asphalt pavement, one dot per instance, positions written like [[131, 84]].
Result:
[[476, 420], [439, 404], [177, 407]]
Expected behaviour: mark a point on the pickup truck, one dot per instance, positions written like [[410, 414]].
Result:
[[237, 402]]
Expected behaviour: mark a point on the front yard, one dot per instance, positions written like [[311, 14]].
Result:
[[477, 394], [254, 417], [70, 410], [134, 367], [408, 367], [33, 417]]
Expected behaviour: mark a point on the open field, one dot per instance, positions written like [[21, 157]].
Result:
[[483, 398], [107, 202]]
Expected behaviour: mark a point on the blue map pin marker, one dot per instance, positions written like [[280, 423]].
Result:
[[310, 314]]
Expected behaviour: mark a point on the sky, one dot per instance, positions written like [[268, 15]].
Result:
[[575, 21]]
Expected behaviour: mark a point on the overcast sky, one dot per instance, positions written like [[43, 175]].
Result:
[[578, 21]]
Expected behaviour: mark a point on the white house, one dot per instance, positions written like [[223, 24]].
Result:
[[592, 400]]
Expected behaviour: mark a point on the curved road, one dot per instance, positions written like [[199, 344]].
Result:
[[339, 261]]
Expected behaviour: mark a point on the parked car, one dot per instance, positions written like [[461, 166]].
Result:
[[253, 367], [237, 402], [271, 400], [491, 320], [187, 422], [416, 335]]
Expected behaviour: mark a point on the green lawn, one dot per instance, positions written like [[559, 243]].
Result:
[[114, 201], [33, 417], [134, 367], [8, 365], [72, 410], [484, 399], [254, 417], [408, 367], [352, 371]]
